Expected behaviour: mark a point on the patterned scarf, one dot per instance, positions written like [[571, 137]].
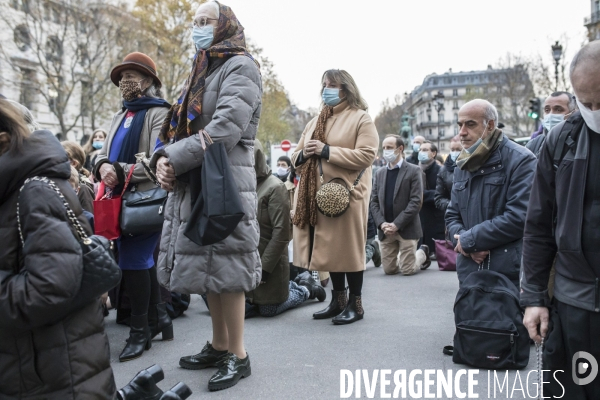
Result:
[[229, 41], [473, 161], [306, 206]]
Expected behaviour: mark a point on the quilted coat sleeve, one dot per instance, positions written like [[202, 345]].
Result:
[[239, 96], [52, 264]]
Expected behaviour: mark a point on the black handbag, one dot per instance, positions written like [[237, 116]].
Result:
[[218, 209], [333, 198], [100, 271], [142, 212]]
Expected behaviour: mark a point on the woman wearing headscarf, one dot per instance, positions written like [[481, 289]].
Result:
[[134, 129], [345, 140], [221, 96]]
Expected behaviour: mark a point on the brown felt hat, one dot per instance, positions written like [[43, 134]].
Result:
[[139, 62]]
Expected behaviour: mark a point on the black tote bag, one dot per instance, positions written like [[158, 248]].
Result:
[[218, 208]]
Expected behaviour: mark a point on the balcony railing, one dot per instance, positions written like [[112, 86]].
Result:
[[592, 19]]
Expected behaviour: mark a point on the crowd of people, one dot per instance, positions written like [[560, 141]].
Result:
[[531, 216]]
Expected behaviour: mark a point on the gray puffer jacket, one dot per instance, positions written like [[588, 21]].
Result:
[[488, 208], [230, 112]]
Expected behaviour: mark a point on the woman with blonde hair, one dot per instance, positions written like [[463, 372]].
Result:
[[93, 146], [343, 141]]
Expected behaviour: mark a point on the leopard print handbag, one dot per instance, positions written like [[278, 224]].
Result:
[[333, 197]]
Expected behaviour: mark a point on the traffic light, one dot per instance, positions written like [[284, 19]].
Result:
[[534, 109]]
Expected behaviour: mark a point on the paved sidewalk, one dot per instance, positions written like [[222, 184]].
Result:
[[407, 322]]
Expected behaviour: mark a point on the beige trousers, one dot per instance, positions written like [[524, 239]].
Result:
[[400, 255]]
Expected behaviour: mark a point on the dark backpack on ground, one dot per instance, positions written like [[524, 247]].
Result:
[[489, 324]]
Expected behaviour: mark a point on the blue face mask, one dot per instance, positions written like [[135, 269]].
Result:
[[97, 145], [203, 37], [331, 96], [454, 155], [551, 120], [416, 147], [471, 149], [424, 157]]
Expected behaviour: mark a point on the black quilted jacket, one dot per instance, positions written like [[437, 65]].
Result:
[[45, 354]]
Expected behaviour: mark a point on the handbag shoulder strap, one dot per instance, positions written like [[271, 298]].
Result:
[[355, 182], [70, 214]]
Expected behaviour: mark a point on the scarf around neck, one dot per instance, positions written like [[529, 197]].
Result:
[[473, 161], [306, 205], [131, 142], [229, 41]]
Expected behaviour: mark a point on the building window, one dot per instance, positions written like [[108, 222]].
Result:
[[442, 132], [430, 133], [442, 146], [455, 130], [468, 90], [455, 118], [53, 48], [28, 85], [455, 105], [455, 92], [84, 57], [22, 38], [441, 117], [435, 81], [429, 118]]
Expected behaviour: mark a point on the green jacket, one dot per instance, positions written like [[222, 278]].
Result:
[[273, 214]]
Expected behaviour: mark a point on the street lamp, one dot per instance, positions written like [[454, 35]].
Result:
[[557, 50], [439, 107]]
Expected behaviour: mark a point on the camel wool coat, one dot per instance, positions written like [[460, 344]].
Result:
[[339, 243]]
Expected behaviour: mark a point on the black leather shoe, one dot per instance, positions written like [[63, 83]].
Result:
[[427, 262], [139, 338], [231, 370], [208, 357], [335, 307], [160, 322], [181, 391], [143, 385], [316, 291], [376, 255], [352, 313]]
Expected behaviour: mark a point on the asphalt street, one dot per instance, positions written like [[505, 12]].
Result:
[[408, 320]]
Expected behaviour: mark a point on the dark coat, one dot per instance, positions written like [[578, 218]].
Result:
[[408, 199], [488, 209], [413, 158], [273, 215], [544, 243], [535, 144], [44, 352], [432, 218], [443, 186]]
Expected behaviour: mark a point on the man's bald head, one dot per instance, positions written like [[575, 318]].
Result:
[[585, 75], [487, 110], [476, 119]]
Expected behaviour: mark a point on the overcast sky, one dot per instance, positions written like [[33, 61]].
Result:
[[389, 46]]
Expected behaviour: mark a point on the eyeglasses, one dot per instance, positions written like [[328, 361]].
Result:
[[202, 22]]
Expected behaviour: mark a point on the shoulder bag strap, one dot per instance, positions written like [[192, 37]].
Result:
[[353, 185], [70, 214]]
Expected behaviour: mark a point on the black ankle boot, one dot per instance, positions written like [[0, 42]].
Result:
[[143, 385], [352, 313], [337, 305], [178, 392], [316, 291], [139, 338], [160, 322]]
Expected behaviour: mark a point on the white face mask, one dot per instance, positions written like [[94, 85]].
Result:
[[551, 120], [591, 118], [281, 171], [390, 156]]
